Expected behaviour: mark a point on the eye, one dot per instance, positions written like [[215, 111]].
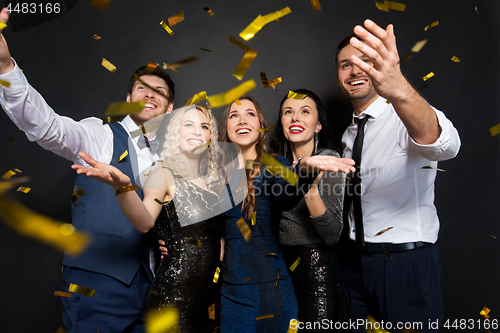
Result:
[[232, 115], [305, 111], [188, 125], [344, 66], [287, 112], [205, 127], [251, 114]]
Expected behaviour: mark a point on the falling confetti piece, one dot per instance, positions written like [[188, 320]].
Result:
[[4, 83], [208, 10], [265, 317], [6, 185], [122, 156], [383, 231], [431, 167], [271, 254], [159, 201], [415, 49], [248, 164], [247, 279], [109, 66], [254, 217], [477, 11], [246, 61], [2, 25], [145, 129], [111, 119], [96, 37], [279, 169], [180, 63], [74, 288], [195, 242], [231, 95], [428, 76], [151, 67], [293, 326], [211, 312], [272, 83], [260, 21], [495, 130], [62, 293], [390, 5], [100, 4], [315, 4], [295, 264], [162, 321], [200, 146], [24, 189], [294, 95], [123, 108], [484, 312], [455, 59], [278, 279], [138, 78], [206, 50], [432, 25], [202, 95], [76, 195], [11, 139], [371, 322], [387, 253], [11, 173], [487, 233], [237, 101], [216, 275], [266, 129], [167, 28], [244, 229], [174, 19]]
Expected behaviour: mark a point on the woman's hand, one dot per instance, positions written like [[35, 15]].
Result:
[[327, 163], [102, 172]]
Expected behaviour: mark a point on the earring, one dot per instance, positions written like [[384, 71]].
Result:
[[316, 139]]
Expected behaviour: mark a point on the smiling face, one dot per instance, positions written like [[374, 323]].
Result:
[[242, 124], [299, 119], [194, 131], [156, 104]]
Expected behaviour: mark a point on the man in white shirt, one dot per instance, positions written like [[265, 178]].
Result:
[[116, 264], [394, 275]]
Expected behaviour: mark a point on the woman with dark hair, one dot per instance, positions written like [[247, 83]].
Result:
[[256, 292], [310, 230]]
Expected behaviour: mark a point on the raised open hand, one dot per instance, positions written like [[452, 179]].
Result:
[[6, 64]]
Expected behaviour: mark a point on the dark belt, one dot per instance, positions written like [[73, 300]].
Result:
[[372, 248]]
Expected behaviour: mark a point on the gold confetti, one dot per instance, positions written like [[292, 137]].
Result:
[[100, 4], [266, 129], [167, 28], [295, 264], [247, 279], [202, 95], [109, 66], [383, 231], [211, 312], [61, 330], [388, 102], [76, 195], [272, 83], [432, 25], [4, 83], [216, 275], [316, 5], [145, 129], [24, 189], [244, 229], [174, 19], [126, 189], [487, 233], [279, 169], [293, 327], [195, 242], [151, 67], [11, 139], [122, 156], [96, 37], [202, 145], [147, 174], [123, 108], [387, 253], [294, 95], [265, 317], [74, 288], [6, 185], [206, 50], [111, 119], [495, 130], [248, 164], [431, 167], [11, 173], [254, 218], [390, 5], [208, 10], [484, 312], [138, 78], [2, 25], [260, 21], [237, 101], [180, 63], [229, 96], [62, 293], [415, 49], [246, 61], [455, 59], [278, 279], [371, 322], [162, 321], [428, 76], [160, 202], [271, 254]]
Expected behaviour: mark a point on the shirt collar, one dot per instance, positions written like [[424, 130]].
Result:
[[130, 127], [374, 110]]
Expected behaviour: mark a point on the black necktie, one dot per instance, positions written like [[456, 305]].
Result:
[[356, 182]]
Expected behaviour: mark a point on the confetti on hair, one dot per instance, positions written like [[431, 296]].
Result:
[[11, 139], [415, 49], [100, 4], [77, 194], [246, 61], [4, 83], [381, 232], [109, 66], [62, 293], [195, 242], [230, 96], [484, 312], [390, 5], [24, 189], [455, 59], [167, 28], [265, 317], [162, 321], [111, 119], [11, 173], [202, 95], [96, 37], [293, 326], [216, 275], [206, 50], [208, 10], [180, 63], [316, 5], [254, 218], [295, 264], [279, 169], [122, 156], [237, 101], [174, 19], [123, 108], [244, 229], [211, 312], [266, 128], [428, 76], [151, 67], [431, 167], [260, 21], [432, 25], [294, 95]]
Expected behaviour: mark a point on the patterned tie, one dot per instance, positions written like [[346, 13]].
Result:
[[153, 145]]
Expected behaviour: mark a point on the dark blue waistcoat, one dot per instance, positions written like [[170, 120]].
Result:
[[117, 248]]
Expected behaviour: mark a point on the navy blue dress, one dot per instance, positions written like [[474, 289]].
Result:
[[257, 294]]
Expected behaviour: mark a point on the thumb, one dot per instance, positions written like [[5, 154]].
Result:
[[4, 17]]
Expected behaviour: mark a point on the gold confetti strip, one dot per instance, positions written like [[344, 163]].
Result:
[[76, 195], [11, 173], [109, 66], [295, 264], [208, 10], [202, 145], [487, 233], [162, 321], [167, 28], [6, 185], [484, 312], [100, 4], [432, 25], [231, 95], [279, 169], [180, 63], [294, 95], [415, 49], [247, 59], [316, 5], [111, 119], [74, 288], [390, 5], [126, 189], [145, 129], [278, 279], [62, 293], [123, 108], [159, 201], [387, 253], [24, 189], [248, 164], [206, 50], [148, 175], [388, 102], [4, 83], [495, 130], [174, 19], [151, 67], [202, 95], [455, 59], [272, 83], [260, 21], [265, 317], [96, 37], [138, 78], [293, 327], [244, 229], [237, 101], [254, 218], [271, 254], [247, 279], [428, 76], [216, 275], [431, 167], [11, 139], [122, 156], [195, 242], [266, 129], [370, 323], [383, 231], [211, 312], [269, 170], [2, 25]]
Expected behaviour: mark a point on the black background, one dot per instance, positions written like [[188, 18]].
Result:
[[63, 62]]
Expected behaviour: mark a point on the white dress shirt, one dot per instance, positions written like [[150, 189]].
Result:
[[395, 191]]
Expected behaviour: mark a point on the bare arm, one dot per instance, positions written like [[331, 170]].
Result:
[[313, 200]]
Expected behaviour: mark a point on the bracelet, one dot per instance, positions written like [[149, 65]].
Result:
[[126, 189]]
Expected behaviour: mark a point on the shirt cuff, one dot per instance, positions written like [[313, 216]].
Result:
[[16, 79]]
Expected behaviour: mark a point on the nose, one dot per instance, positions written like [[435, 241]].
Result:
[[242, 120], [295, 116], [355, 70]]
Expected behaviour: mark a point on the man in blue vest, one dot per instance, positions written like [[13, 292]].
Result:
[[116, 264]]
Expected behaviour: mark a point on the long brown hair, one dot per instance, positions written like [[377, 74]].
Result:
[[260, 147]]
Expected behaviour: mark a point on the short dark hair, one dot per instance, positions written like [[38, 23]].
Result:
[[342, 44], [159, 72]]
